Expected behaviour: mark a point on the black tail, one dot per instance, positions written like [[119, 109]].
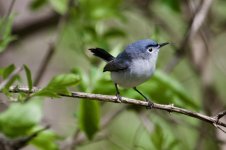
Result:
[[101, 53]]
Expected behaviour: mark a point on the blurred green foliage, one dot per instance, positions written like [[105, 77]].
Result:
[[159, 140], [110, 25], [46, 140], [166, 89], [23, 117], [4, 73], [5, 32]]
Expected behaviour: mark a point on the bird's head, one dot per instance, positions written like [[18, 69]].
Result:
[[144, 48]]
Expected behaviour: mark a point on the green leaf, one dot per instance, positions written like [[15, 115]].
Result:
[[8, 70], [29, 78], [46, 140], [89, 117], [36, 4], [18, 119], [5, 73], [59, 85], [59, 6]]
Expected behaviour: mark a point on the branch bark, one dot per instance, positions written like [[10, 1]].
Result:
[[107, 98]]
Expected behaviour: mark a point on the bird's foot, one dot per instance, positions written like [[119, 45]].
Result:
[[150, 104], [119, 98]]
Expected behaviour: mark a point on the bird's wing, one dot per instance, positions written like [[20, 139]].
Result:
[[116, 65]]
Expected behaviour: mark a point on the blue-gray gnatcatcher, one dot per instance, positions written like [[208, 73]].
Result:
[[133, 66]]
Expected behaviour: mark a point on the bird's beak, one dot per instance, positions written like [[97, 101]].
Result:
[[163, 44]]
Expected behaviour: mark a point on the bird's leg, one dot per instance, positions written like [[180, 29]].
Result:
[[119, 99], [150, 103]]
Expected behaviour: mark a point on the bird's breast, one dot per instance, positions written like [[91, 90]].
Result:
[[141, 68], [138, 72]]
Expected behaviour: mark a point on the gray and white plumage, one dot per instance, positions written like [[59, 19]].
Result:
[[134, 65]]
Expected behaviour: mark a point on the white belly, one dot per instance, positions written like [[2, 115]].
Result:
[[139, 72]]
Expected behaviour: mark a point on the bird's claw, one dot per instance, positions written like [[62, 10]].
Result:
[[119, 98], [150, 104]]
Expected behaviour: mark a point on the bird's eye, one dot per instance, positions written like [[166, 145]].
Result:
[[150, 49]]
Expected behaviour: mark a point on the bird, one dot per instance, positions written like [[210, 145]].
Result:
[[133, 66]]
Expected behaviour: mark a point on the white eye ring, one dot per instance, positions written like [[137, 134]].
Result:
[[150, 49]]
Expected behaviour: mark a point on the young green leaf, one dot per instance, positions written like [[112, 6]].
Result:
[[18, 119], [58, 85], [5, 73], [8, 70], [89, 117], [29, 78]]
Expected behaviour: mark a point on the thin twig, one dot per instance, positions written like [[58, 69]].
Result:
[[44, 64], [218, 127], [10, 8], [220, 115], [113, 99]]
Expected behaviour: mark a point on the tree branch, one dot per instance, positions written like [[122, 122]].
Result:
[[107, 98], [32, 26], [44, 64]]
